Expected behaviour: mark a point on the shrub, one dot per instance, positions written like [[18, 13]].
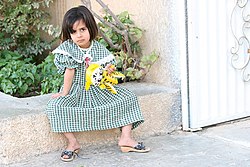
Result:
[[21, 25], [22, 48], [130, 61], [17, 75], [51, 80]]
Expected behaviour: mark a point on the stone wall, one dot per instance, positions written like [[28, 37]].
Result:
[[25, 130]]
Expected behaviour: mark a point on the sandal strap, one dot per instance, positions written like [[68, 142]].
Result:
[[68, 153], [140, 146]]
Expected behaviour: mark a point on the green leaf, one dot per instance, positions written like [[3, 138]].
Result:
[[136, 33], [138, 74], [35, 5], [23, 89], [136, 65], [2, 63]]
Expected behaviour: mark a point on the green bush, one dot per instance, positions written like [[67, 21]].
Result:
[[51, 80], [134, 66], [18, 76], [21, 25], [22, 48]]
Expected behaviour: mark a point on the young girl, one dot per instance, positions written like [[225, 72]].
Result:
[[75, 109]]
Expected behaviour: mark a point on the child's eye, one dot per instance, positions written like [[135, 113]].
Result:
[[72, 31], [83, 29]]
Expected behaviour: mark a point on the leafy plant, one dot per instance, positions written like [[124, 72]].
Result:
[[21, 25], [51, 80], [8, 56], [17, 75], [20, 77], [127, 51]]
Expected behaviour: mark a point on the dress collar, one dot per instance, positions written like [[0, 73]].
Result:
[[69, 48]]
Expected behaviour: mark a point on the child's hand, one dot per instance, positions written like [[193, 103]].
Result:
[[110, 68], [57, 95]]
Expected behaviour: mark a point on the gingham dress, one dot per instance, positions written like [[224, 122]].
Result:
[[95, 109]]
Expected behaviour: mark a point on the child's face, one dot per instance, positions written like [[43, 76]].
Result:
[[81, 35]]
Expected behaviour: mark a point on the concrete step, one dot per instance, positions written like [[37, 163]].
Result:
[[25, 129]]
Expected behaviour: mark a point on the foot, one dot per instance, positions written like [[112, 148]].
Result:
[[127, 142], [74, 148]]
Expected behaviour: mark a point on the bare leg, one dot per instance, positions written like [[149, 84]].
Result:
[[126, 138], [73, 144]]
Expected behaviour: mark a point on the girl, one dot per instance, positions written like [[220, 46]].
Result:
[[74, 109]]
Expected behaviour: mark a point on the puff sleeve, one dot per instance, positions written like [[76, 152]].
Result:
[[64, 61]]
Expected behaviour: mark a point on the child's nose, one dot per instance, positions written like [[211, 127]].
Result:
[[79, 34]]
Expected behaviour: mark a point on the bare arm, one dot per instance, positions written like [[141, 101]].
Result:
[[68, 80]]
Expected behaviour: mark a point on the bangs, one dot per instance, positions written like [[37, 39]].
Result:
[[71, 22]]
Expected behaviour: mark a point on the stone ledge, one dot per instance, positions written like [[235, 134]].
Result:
[[25, 128]]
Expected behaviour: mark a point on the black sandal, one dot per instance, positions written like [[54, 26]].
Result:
[[71, 155], [140, 148]]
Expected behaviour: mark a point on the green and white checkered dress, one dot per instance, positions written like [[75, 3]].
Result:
[[95, 109]]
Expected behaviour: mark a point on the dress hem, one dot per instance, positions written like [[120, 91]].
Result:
[[135, 124]]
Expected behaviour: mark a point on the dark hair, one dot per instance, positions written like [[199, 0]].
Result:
[[75, 14]]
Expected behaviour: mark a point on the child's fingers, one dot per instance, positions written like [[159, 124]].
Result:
[[110, 68], [56, 95]]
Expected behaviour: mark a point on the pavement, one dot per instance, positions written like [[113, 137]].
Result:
[[222, 145]]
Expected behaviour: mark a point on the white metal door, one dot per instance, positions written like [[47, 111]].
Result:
[[217, 85]]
